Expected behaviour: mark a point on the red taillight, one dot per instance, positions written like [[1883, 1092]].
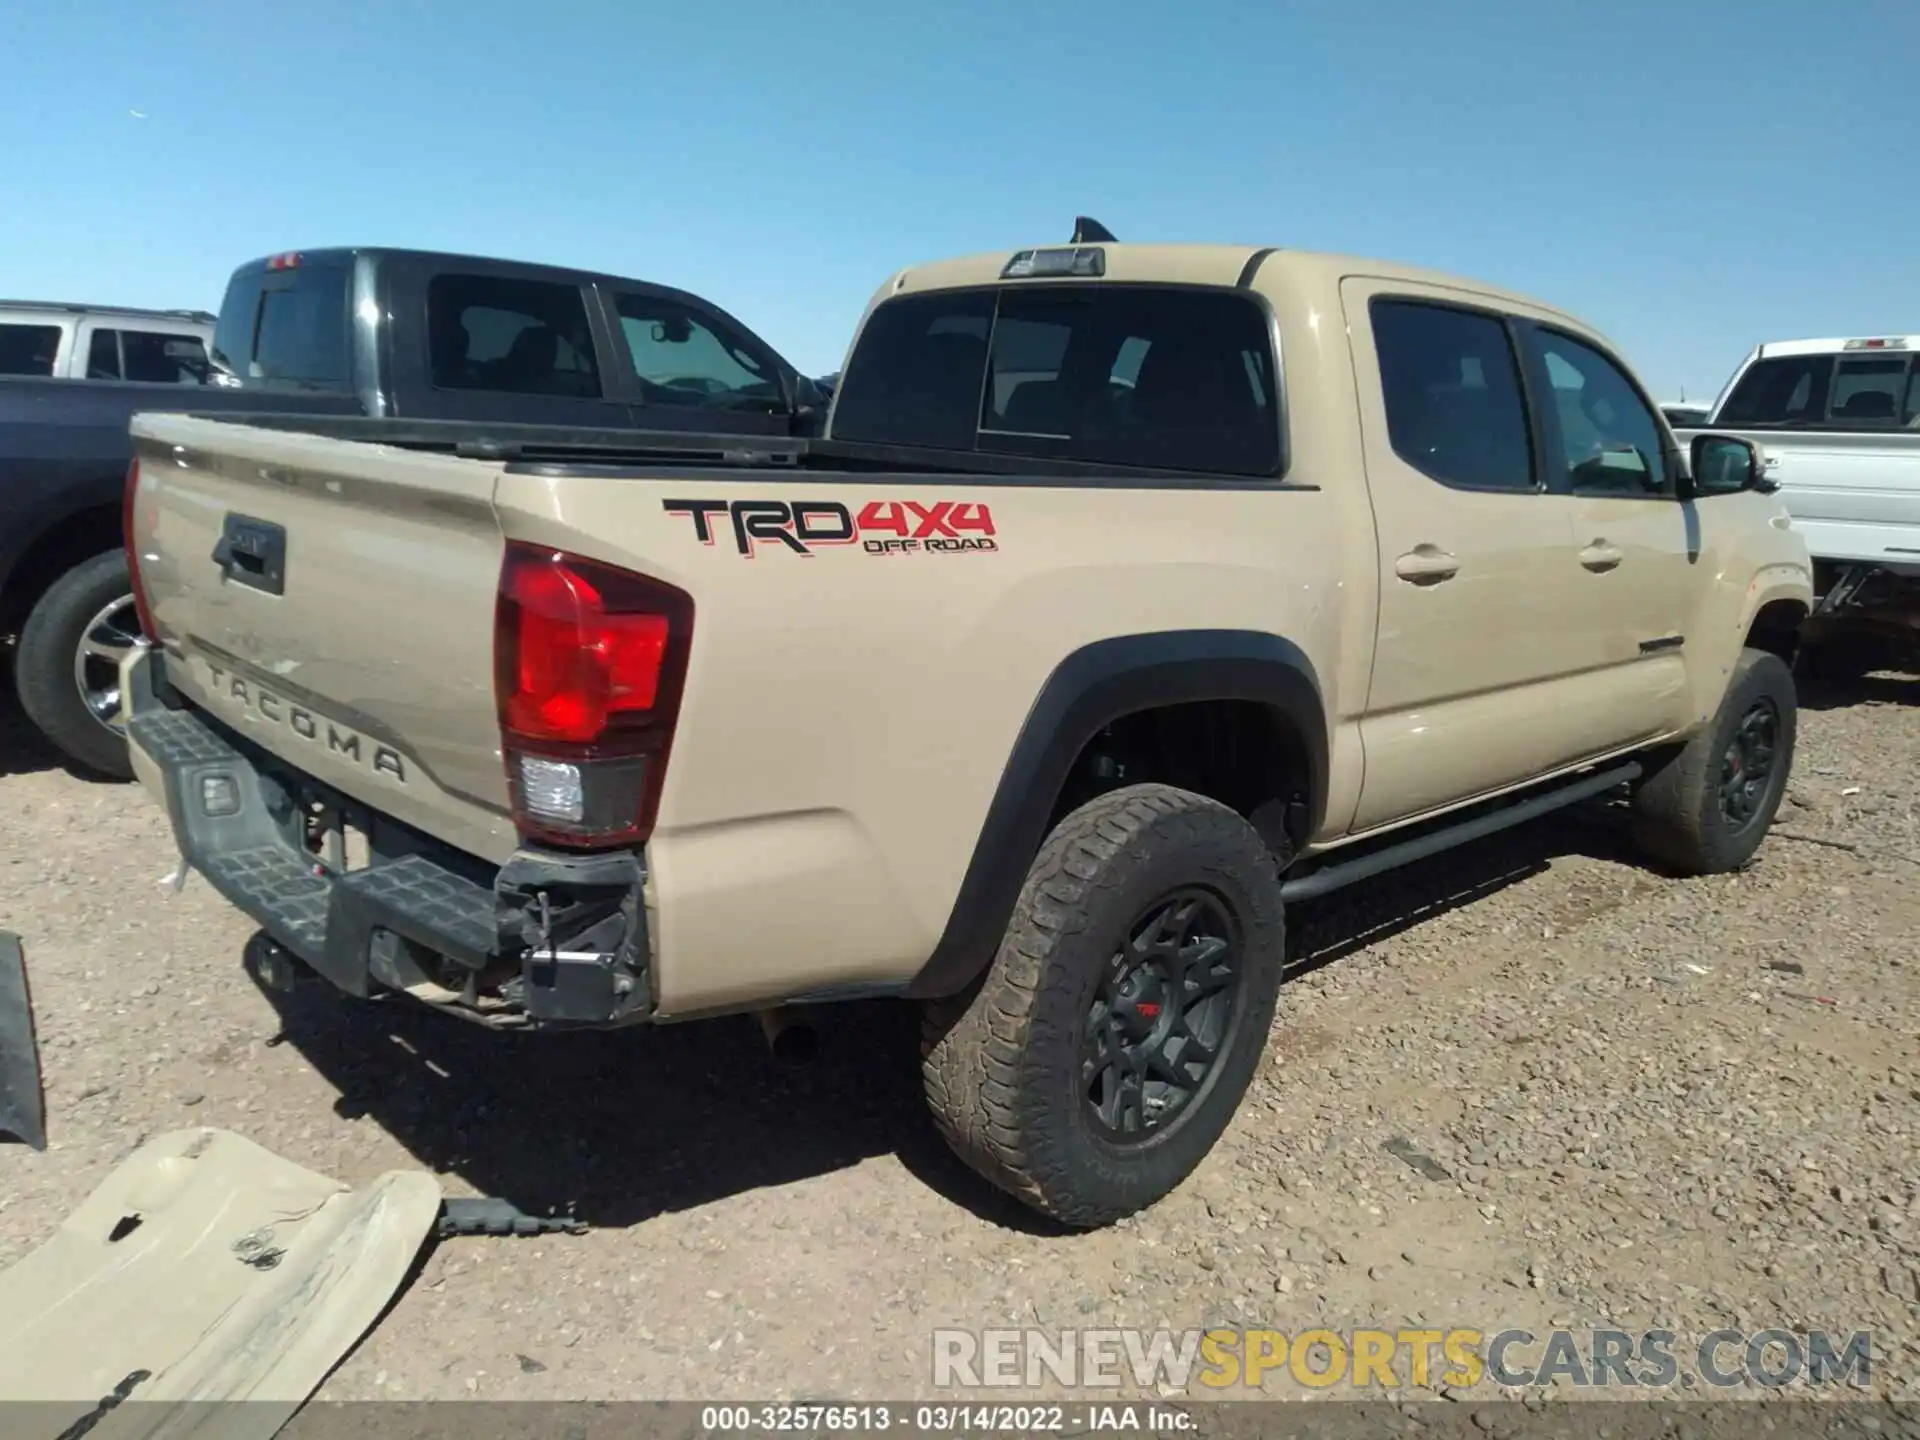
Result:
[[589, 661], [132, 544]]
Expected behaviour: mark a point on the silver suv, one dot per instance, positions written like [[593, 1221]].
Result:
[[104, 342]]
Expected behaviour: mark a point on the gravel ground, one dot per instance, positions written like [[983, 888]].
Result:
[[1612, 1098]]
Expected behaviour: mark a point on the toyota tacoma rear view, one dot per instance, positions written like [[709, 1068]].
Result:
[[1132, 593]]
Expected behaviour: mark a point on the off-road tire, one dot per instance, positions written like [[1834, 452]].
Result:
[[1002, 1064], [1678, 818], [43, 664]]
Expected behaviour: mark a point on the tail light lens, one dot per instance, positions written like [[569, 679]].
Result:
[[132, 544], [589, 663]]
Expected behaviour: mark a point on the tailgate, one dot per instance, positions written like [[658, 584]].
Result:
[[333, 602]]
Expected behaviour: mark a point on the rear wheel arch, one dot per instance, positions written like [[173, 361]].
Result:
[[1262, 685]]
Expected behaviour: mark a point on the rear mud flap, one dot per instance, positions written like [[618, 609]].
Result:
[[205, 1289], [23, 1104]]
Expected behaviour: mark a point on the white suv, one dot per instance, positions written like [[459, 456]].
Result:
[[99, 342]]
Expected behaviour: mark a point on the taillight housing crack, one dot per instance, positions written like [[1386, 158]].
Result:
[[590, 661]]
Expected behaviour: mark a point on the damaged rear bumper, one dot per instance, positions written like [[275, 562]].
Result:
[[548, 939]]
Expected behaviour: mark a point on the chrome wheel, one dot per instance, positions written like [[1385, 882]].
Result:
[[109, 638]]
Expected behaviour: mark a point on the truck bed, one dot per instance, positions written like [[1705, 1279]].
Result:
[[575, 450]]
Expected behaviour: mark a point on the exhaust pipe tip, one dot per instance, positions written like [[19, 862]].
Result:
[[790, 1037]]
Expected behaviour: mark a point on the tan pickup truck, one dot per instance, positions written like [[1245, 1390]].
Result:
[[1135, 592]]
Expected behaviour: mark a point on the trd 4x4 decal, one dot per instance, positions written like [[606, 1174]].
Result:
[[883, 527]]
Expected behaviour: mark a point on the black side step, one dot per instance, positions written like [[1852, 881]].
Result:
[[1363, 867]]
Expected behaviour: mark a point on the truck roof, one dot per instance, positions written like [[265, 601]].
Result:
[[131, 311], [346, 254], [1196, 264], [1836, 343]]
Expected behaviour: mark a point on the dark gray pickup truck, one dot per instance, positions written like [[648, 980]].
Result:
[[386, 334]]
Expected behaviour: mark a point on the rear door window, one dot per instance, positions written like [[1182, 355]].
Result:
[[157, 358], [28, 349], [1158, 376], [1451, 387], [509, 336]]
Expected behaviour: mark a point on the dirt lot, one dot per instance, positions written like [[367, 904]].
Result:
[[1687, 1104]]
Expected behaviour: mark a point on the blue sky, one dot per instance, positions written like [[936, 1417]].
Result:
[[1690, 177]]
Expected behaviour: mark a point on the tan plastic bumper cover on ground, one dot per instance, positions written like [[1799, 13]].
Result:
[[203, 1272]]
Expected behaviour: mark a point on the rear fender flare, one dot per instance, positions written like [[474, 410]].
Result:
[[1089, 690]]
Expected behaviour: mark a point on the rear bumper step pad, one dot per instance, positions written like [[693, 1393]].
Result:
[[404, 921]]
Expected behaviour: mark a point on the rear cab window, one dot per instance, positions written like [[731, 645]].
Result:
[[1833, 390], [1157, 376], [286, 328], [510, 336], [28, 349]]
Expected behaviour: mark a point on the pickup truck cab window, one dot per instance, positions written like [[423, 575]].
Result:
[[1172, 377], [1607, 438], [1790, 390], [286, 327], [1869, 391], [1455, 409], [1825, 390], [521, 337], [915, 377], [682, 358]]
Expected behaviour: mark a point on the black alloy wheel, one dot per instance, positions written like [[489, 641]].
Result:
[[1161, 1015]]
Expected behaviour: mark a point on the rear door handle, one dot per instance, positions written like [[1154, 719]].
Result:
[[1426, 565], [1600, 556]]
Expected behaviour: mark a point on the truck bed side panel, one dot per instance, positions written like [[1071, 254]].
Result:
[[848, 713]]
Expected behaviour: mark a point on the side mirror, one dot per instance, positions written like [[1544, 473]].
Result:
[[1726, 465]]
